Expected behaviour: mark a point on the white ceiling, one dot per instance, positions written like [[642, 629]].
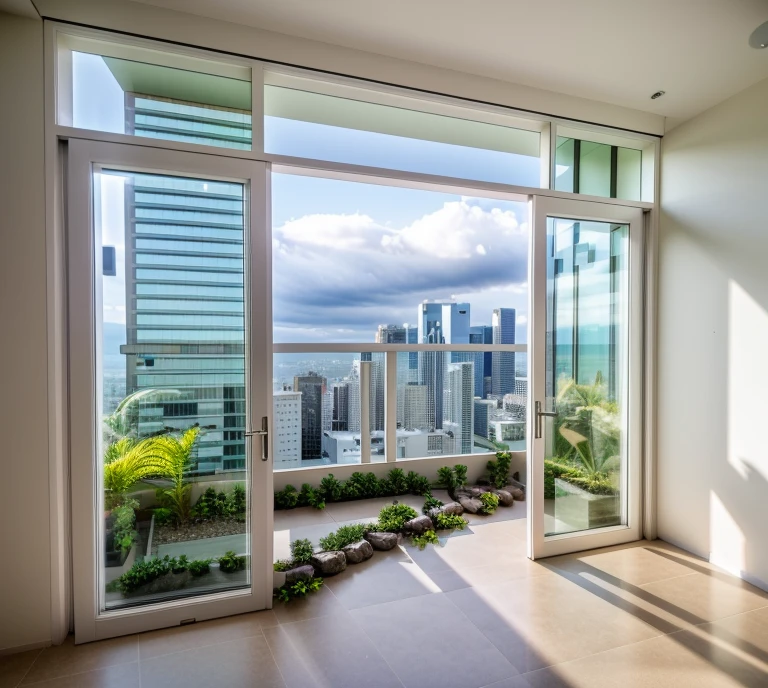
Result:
[[614, 51]]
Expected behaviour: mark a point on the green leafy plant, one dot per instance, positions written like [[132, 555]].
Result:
[[309, 496], [362, 486], [287, 498], [163, 516], [238, 499], [282, 565], [498, 470], [395, 483], [452, 478], [123, 528], [418, 484], [298, 590], [427, 538], [332, 489], [177, 458], [430, 503], [490, 502], [127, 462], [212, 504], [230, 562], [179, 564], [450, 522], [200, 567], [344, 536], [392, 518], [143, 572], [302, 551]]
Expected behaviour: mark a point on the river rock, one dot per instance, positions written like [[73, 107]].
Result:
[[358, 551], [419, 525], [471, 504], [382, 541], [328, 563], [506, 498], [300, 573], [517, 493], [453, 508]]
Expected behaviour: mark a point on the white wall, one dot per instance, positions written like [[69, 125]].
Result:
[[25, 573], [713, 335]]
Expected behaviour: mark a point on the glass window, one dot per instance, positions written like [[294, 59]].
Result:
[[360, 126], [142, 92]]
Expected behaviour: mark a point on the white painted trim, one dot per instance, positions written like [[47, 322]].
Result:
[[390, 405]]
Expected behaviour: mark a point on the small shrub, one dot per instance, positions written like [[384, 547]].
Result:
[[428, 538], [180, 564], [417, 484], [395, 483], [143, 572], [302, 551], [332, 489], [498, 470], [344, 536], [238, 499], [282, 565], [490, 502], [460, 471], [430, 503], [298, 590], [163, 516], [230, 562], [200, 567], [286, 498], [309, 496], [363, 485], [123, 529], [452, 478], [451, 522], [392, 518]]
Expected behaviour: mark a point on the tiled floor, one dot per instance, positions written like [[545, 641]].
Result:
[[472, 612]]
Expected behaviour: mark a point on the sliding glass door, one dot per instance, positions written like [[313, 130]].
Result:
[[170, 343], [586, 397]]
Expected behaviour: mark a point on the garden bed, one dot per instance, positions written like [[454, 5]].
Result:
[[168, 534]]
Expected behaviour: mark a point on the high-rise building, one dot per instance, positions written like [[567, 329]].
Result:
[[391, 334], [287, 429], [481, 334], [312, 388], [484, 409], [460, 405], [503, 362], [340, 420], [414, 406]]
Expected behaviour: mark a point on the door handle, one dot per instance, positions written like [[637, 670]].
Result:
[[264, 433], [539, 415]]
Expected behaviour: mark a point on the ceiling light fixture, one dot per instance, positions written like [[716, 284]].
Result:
[[658, 94], [759, 37]]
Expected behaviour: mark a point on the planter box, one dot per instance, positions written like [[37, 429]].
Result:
[[582, 510]]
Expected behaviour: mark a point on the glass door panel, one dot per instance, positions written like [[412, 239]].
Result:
[[586, 387], [168, 297]]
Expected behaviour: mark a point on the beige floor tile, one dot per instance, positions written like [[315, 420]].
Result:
[[318, 604], [509, 569], [337, 653], [441, 647], [386, 577], [746, 633], [304, 516], [14, 667], [291, 665], [66, 659], [180, 638], [515, 530], [503, 513], [543, 620], [369, 508], [681, 660], [240, 663], [120, 676]]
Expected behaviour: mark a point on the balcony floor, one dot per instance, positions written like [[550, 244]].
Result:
[[471, 612]]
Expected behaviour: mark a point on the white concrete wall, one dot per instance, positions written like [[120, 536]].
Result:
[[713, 335], [25, 573]]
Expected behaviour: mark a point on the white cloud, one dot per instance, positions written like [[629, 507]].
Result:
[[480, 249]]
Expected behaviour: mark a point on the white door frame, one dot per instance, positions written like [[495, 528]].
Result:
[[85, 157], [539, 545]]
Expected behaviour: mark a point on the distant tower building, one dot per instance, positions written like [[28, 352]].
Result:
[[327, 409], [481, 334], [414, 407], [503, 368], [287, 442], [391, 334], [340, 419], [312, 388], [460, 387], [484, 409]]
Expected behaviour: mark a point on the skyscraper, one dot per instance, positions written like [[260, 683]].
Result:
[[503, 366], [460, 411], [483, 412], [287, 422], [414, 406], [312, 388], [481, 334], [340, 420]]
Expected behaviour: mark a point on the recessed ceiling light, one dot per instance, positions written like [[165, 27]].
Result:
[[658, 94], [759, 37]]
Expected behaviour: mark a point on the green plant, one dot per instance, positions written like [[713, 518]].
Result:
[[238, 499], [286, 498], [450, 522], [452, 478], [180, 564], [299, 589], [332, 489], [490, 502], [302, 551], [498, 470], [417, 484], [362, 485], [230, 562], [344, 536], [177, 458], [392, 518], [200, 567], [123, 528], [430, 503], [429, 537], [395, 483], [128, 461], [163, 516], [212, 504], [309, 496], [282, 565], [143, 572]]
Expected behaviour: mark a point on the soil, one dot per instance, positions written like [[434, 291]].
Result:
[[196, 531]]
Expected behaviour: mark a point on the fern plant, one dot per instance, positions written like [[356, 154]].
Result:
[[417, 484], [332, 489], [395, 483], [429, 537], [498, 470], [345, 535], [177, 457], [450, 522], [309, 496], [430, 503], [230, 562], [287, 498], [392, 518], [490, 502], [302, 551], [298, 590]]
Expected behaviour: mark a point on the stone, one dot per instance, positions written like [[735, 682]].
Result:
[[506, 498], [477, 490], [453, 508], [419, 525], [434, 511], [328, 563], [517, 493], [471, 504], [358, 551], [300, 573], [382, 541]]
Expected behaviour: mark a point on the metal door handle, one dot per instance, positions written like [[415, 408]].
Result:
[[264, 433], [539, 415]]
